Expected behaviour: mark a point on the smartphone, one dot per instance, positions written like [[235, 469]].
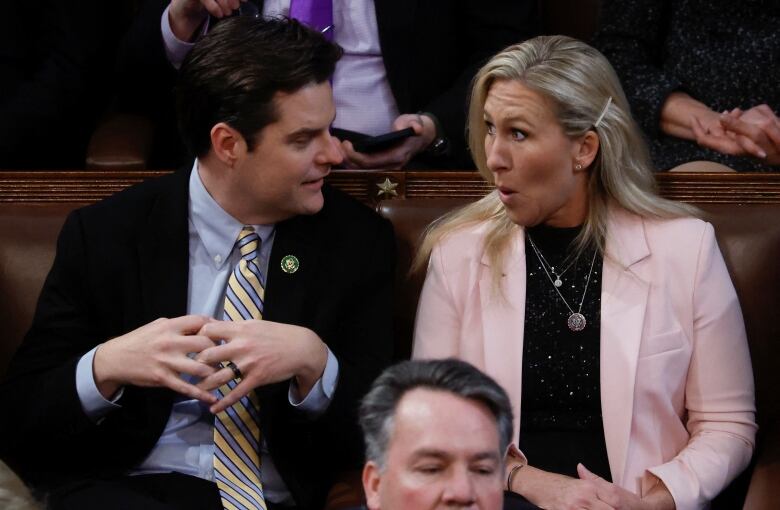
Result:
[[368, 144]]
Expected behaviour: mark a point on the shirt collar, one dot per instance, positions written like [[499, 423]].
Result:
[[217, 229]]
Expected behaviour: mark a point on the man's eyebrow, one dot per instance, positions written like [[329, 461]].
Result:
[[489, 455], [303, 133], [430, 452], [442, 454]]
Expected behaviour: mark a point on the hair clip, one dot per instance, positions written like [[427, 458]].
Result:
[[603, 112]]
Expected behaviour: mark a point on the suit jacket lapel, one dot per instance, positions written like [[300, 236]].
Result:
[[503, 322], [163, 252], [286, 291], [285, 296], [623, 302]]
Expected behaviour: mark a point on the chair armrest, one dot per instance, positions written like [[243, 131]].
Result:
[[764, 490], [346, 493], [122, 141]]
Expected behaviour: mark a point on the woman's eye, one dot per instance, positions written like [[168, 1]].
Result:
[[491, 129], [517, 134]]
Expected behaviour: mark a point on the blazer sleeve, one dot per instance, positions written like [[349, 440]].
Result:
[[719, 396], [437, 326]]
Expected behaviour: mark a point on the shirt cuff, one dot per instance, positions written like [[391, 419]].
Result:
[[321, 394], [92, 402], [176, 49]]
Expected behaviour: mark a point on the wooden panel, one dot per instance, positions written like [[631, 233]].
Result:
[[64, 186], [368, 185]]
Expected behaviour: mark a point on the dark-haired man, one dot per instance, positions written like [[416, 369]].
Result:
[[407, 63], [202, 339]]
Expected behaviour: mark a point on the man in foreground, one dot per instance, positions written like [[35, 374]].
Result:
[[436, 433], [203, 339]]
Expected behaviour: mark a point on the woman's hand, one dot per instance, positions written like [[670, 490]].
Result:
[[619, 498], [753, 133], [756, 131], [680, 112], [552, 491]]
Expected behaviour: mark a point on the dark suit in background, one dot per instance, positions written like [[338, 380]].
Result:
[[123, 263], [431, 51], [56, 70]]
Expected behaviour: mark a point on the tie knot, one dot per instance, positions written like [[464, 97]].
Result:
[[248, 243]]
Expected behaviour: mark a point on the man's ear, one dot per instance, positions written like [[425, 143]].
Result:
[[227, 143], [586, 150], [371, 481]]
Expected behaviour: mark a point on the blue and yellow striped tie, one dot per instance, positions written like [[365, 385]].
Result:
[[236, 430]]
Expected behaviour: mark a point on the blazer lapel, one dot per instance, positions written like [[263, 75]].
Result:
[[503, 321], [163, 252], [623, 301]]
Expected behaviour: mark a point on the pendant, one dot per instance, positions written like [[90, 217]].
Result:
[[576, 322], [557, 281]]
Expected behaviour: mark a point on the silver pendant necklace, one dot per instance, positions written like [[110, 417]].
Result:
[[576, 320], [558, 280]]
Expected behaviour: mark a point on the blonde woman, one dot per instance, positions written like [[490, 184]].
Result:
[[605, 311]]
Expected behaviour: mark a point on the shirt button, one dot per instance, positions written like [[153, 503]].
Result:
[[218, 258]]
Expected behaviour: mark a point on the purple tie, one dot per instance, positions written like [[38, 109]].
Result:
[[317, 14]]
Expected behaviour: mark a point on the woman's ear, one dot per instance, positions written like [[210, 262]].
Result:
[[227, 143], [586, 150]]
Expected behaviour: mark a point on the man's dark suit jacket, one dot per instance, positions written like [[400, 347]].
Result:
[[431, 49], [123, 263]]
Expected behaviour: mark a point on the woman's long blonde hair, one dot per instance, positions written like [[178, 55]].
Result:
[[580, 82]]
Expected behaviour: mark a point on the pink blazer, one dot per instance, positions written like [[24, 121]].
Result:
[[676, 379]]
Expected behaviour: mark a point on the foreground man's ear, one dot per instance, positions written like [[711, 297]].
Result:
[[371, 481]]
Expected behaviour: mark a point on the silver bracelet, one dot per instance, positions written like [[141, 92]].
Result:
[[511, 475]]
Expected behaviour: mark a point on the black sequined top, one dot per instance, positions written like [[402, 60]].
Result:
[[724, 53], [560, 416]]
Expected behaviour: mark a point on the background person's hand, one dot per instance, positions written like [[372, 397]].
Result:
[[155, 355], [185, 16], [265, 352], [398, 156], [755, 135], [757, 131], [680, 111]]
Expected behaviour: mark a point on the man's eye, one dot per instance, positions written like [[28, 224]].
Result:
[[429, 469], [487, 470]]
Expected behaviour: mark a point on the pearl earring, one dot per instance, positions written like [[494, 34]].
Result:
[[578, 166]]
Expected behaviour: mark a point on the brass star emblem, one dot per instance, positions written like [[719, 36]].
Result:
[[387, 188]]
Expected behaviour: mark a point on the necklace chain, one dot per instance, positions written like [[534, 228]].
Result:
[[576, 320], [558, 282]]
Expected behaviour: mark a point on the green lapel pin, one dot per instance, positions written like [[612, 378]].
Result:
[[290, 264]]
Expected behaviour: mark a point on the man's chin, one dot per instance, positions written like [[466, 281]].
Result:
[[312, 203]]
